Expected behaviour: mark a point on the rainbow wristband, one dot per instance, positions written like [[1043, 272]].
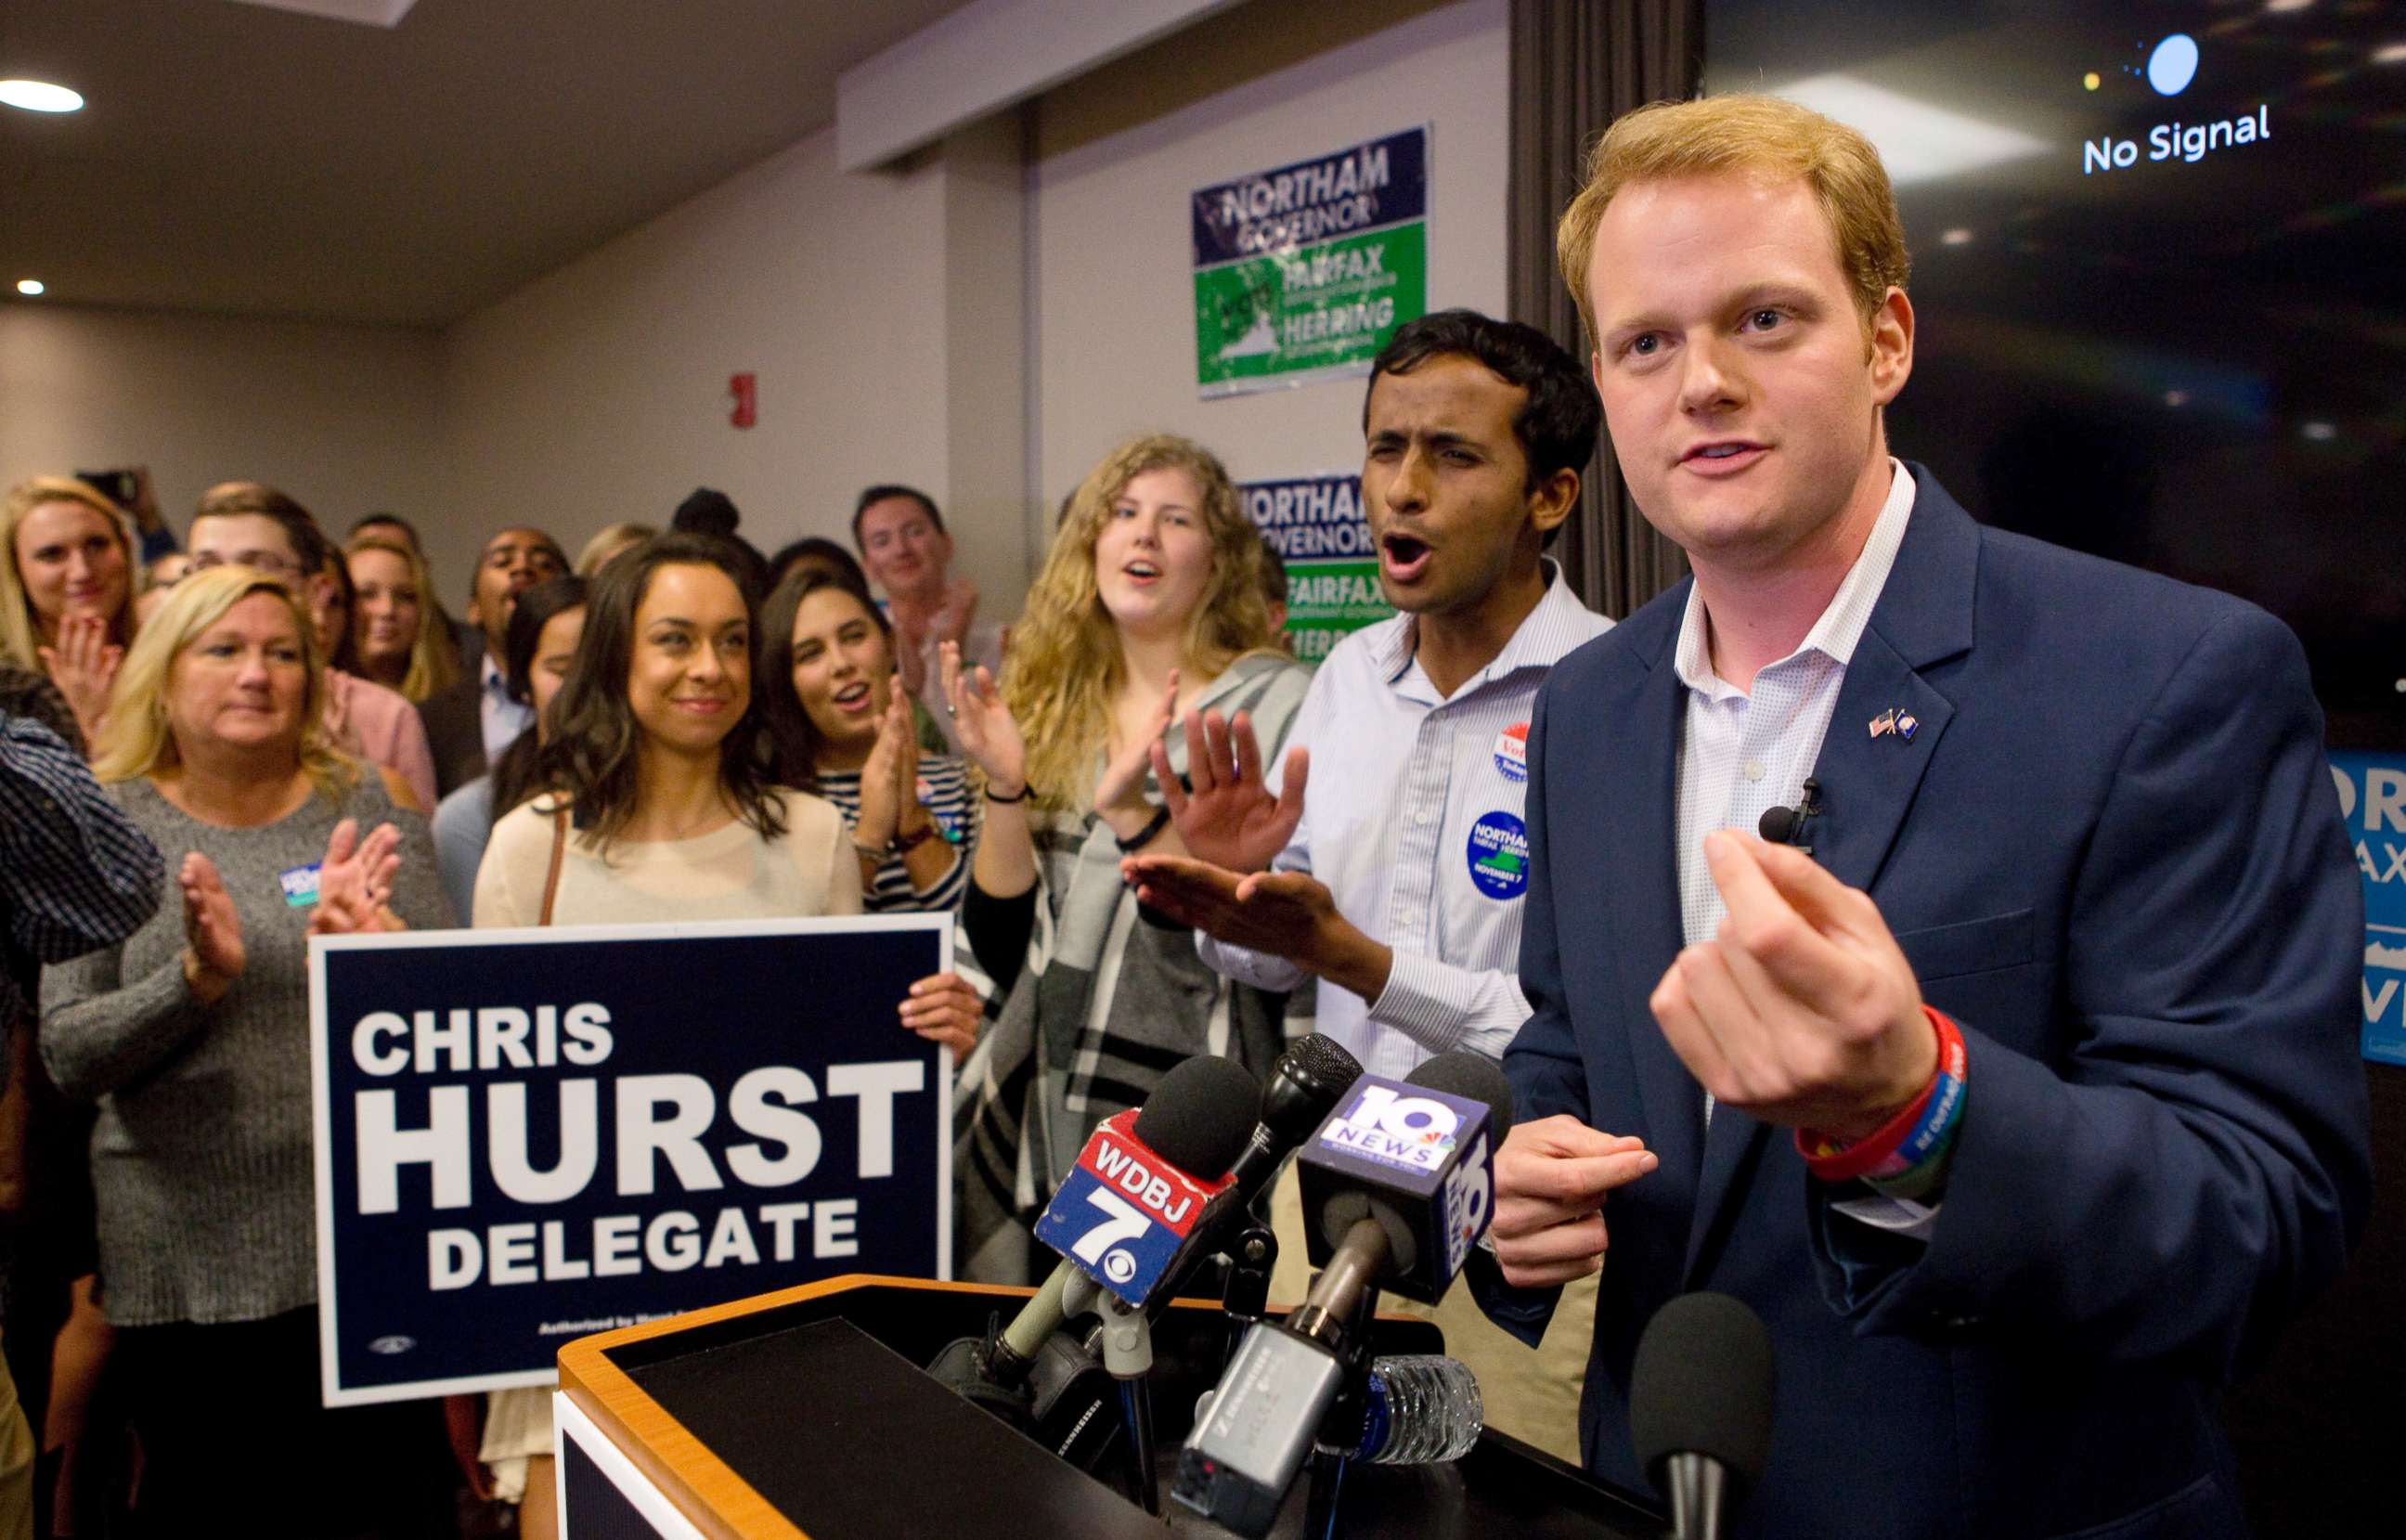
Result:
[[1914, 1138]]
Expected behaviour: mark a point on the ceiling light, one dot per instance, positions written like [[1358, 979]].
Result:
[[39, 96], [1956, 236], [29, 286], [2390, 54]]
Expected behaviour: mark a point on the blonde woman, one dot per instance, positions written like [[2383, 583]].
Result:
[[67, 588], [192, 1037], [612, 539], [1149, 605], [400, 639]]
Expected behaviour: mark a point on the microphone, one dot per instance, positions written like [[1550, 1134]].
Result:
[[1304, 1087], [1399, 1183], [1786, 825], [1192, 1123], [1700, 1407]]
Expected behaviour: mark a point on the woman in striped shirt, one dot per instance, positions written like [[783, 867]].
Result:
[[844, 731]]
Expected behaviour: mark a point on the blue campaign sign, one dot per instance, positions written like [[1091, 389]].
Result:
[[2372, 804], [527, 1136]]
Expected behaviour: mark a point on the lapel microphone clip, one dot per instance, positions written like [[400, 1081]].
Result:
[[1786, 825]]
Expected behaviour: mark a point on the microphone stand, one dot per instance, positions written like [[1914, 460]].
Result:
[[1248, 1290], [1327, 1466], [1699, 1493], [1127, 1354]]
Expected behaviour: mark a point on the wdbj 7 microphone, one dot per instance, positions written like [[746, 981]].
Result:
[[1699, 1399], [1398, 1186], [1191, 1128]]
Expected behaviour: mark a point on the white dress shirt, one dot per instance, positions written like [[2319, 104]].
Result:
[[499, 718], [1743, 752], [1413, 818]]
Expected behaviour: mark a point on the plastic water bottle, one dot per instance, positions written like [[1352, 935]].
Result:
[[1421, 1408]]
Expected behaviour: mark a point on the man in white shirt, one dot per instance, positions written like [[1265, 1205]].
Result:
[[474, 720], [902, 542], [1387, 863]]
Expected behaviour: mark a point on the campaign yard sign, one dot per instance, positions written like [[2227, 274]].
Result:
[[1323, 539], [2372, 806], [1302, 273], [527, 1136]]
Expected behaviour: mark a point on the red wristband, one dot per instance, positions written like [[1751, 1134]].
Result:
[[1832, 1159]]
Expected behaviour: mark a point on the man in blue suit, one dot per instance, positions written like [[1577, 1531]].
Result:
[[2025, 1109]]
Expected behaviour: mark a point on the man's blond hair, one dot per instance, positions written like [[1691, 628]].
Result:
[[1761, 135]]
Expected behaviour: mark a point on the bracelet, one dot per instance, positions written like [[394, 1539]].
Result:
[[1144, 835], [866, 854], [907, 842], [1019, 796], [1913, 1137]]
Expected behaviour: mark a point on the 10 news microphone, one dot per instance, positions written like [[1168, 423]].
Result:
[[1398, 1186]]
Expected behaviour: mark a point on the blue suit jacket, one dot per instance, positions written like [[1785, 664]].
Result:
[[2112, 852]]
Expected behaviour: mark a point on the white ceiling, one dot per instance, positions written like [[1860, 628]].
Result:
[[246, 158]]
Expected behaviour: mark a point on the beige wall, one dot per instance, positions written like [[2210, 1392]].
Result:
[[599, 392], [343, 418], [1122, 151], [984, 321]]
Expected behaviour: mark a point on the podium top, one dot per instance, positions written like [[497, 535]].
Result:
[[803, 1415]]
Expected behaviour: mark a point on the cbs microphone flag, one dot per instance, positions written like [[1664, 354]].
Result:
[[1123, 1213]]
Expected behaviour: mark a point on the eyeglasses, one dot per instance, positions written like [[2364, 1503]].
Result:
[[275, 564]]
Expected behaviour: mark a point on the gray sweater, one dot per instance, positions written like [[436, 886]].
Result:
[[202, 1162]]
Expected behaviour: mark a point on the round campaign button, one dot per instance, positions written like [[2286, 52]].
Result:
[[1513, 752], [1499, 855]]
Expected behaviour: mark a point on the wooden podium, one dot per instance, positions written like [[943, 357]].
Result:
[[804, 1415]]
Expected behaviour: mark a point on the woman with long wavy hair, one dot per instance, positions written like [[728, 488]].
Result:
[[1150, 606], [655, 785], [69, 574]]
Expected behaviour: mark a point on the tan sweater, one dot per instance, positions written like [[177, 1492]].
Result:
[[729, 874]]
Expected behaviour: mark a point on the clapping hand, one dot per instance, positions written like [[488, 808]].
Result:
[[213, 948], [1121, 787], [889, 781], [83, 665], [987, 730], [1230, 818], [353, 881]]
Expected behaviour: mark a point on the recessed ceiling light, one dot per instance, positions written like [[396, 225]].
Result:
[[2390, 54], [39, 96], [1956, 236], [29, 286]]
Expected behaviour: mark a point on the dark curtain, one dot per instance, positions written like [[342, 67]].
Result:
[[1577, 64]]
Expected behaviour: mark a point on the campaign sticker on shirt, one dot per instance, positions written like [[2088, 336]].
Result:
[[1499, 855], [300, 885], [953, 827], [1513, 752]]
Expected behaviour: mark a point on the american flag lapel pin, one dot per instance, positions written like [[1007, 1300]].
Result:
[[1883, 723]]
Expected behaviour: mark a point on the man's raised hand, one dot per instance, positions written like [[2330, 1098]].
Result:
[[1230, 818], [1802, 1010]]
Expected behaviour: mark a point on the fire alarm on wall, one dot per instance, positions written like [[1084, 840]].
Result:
[[745, 388]]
